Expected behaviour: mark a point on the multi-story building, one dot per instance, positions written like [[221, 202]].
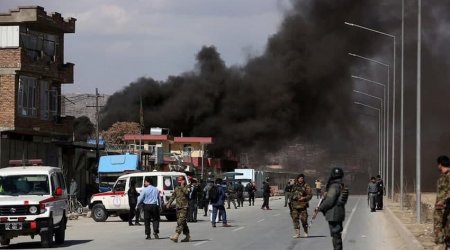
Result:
[[32, 70]]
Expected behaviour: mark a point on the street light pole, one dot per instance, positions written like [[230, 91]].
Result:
[[418, 116], [393, 100], [386, 121], [381, 107], [379, 122], [402, 106], [384, 115]]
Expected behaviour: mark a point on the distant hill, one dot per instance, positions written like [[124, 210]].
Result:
[[75, 104]]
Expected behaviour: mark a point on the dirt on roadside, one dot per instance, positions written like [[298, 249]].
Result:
[[423, 231]]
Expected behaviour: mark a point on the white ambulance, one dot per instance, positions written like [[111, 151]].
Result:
[[104, 204], [33, 201]]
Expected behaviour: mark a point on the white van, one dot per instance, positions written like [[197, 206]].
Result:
[[116, 201]]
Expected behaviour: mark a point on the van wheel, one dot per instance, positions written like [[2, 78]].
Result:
[[4, 242], [124, 217], [47, 235], [171, 217], [99, 213], [60, 232]]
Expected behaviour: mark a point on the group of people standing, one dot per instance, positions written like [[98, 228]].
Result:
[[215, 193]]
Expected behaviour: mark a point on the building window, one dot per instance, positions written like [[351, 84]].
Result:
[[187, 150], [53, 101], [39, 44], [44, 100], [27, 96]]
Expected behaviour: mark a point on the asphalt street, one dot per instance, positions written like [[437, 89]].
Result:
[[252, 228]]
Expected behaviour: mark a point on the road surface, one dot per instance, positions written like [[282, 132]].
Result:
[[253, 229]]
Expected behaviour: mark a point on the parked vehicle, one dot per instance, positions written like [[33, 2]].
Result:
[[110, 167], [278, 180], [33, 201], [116, 201]]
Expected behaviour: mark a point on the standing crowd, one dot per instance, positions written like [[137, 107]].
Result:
[[213, 195]]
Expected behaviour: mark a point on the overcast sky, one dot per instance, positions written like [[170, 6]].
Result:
[[118, 41]]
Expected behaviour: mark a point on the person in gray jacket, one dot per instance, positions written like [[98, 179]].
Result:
[[372, 193], [333, 206]]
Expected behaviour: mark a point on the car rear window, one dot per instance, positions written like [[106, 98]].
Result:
[[170, 182]]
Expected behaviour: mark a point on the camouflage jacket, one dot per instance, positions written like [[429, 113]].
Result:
[[300, 190], [443, 188], [180, 195]]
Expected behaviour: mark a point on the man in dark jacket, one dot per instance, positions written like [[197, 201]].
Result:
[[333, 208], [251, 189], [266, 195], [218, 204], [380, 186], [132, 201]]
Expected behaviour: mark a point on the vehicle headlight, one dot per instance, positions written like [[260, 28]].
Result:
[[33, 210]]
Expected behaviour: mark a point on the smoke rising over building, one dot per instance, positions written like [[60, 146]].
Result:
[[300, 88]]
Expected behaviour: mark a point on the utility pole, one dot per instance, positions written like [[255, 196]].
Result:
[[97, 95]]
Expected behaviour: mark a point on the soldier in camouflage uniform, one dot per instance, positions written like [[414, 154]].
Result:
[[231, 195], [443, 193], [301, 193], [181, 196]]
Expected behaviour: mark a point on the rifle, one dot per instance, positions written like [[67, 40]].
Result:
[[316, 211]]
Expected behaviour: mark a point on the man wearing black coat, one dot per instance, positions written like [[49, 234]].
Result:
[[132, 201], [333, 207], [266, 195]]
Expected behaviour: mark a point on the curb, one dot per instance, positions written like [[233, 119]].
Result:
[[408, 238]]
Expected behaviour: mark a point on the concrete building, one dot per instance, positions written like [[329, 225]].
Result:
[[32, 70]]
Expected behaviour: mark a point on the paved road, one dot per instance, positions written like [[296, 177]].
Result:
[[253, 228]]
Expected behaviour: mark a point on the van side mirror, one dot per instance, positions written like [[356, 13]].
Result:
[[58, 191]]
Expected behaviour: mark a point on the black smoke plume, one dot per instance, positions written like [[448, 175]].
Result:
[[300, 90]]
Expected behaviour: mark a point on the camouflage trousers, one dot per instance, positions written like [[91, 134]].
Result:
[[439, 231], [182, 226], [300, 215]]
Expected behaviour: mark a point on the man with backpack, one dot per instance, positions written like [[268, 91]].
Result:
[[217, 198], [333, 206]]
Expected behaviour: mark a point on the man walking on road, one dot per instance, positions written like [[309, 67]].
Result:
[[132, 202], [301, 193], [380, 195], [150, 198], [266, 195], [318, 188], [287, 193], [181, 196], [441, 230], [218, 203], [333, 206], [372, 193]]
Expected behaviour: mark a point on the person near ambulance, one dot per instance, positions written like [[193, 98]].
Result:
[[301, 194], [181, 195]]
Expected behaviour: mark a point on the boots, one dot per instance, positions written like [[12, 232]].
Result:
[[297, 233], [187, 239], [174, 237]]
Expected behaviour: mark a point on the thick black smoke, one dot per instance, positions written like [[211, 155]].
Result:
[[299, 90]]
